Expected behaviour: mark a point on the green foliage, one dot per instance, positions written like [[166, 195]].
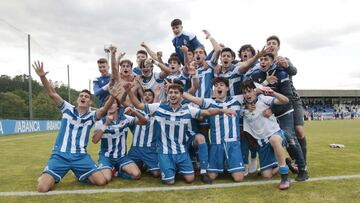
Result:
[[44, 108], [15, 98], [12, 106]]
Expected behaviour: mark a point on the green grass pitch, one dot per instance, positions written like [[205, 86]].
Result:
[[23, 157]]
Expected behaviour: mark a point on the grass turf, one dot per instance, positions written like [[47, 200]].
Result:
[[24, 156]]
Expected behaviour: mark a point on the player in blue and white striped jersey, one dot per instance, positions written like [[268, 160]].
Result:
[[143, 148], [69, 152], [266, 131], [225, 131], [112, 130], [172, 121]]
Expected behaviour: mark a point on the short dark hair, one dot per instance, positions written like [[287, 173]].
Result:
[[151, 91], [174, 54], [249, 84], [142, 52], [269, 55], [126, 61], [175, 81], [244, 47], [176, 22], [102, 60], [174, 58], [227, 49], [87, 92], [273, 37], [220, 79], [200, 47], [176, 86]]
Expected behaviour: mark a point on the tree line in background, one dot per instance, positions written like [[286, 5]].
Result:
[[14, 97]]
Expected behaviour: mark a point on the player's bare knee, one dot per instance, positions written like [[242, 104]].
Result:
[[212, 176], [170, 183], [267, 175], [42, 188], [155, 174], [100, 181], [238, 177], [199, 139], [189, 179], [136, 175]]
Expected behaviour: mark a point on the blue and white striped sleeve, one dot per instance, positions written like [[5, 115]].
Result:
[[195, 112], [151, 108]]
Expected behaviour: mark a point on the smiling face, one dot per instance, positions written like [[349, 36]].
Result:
[[177, 29], [103, 69], [84, 100], [174, 96], [220, 90], [148, 97]]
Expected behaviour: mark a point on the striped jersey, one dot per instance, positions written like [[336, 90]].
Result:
[[235, 78], [205, 80], [171, 126], [224, 128], [113, 142], [256, 124], [186, 81], [73, 135], [143, 135]]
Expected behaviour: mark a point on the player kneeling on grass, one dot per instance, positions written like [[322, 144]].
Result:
[[69, 152], [172, 126], [266, 131], [225, 131], [143, 148], [112, 130]]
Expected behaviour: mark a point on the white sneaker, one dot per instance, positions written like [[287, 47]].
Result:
[[252, 167]]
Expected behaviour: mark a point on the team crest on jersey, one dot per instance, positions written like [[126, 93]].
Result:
[[185, 42]]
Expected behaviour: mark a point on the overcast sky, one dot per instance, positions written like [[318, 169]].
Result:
[[322, 38]]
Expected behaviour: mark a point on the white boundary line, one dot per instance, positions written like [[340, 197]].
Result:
[[168, 188]]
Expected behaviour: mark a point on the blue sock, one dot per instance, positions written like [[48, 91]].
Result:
[[284, 169], [124, 175], [203, 156]]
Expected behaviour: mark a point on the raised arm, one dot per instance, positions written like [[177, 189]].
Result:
[[114, 64], [194, 79], [39, 69], [165, 71], [215, 44], [150, 51], [279, 98], [100, 129], [245, 65], [140, 119], [193, 99], [216, 111], [133, 98], [114, 92]]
